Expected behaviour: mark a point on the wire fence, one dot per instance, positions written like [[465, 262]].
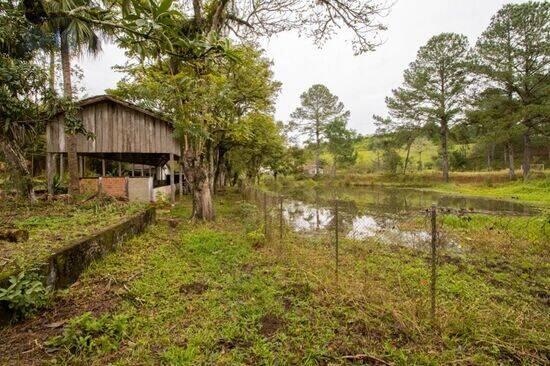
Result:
[[437, 235]]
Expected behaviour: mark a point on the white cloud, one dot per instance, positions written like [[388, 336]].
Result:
[[362, 81]]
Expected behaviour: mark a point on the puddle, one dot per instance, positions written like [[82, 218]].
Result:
[[378, 213]]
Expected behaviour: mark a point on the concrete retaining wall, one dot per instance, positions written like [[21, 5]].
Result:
[[65, 265], [140, 189]]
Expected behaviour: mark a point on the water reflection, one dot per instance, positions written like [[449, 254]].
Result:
[[314, 219], [381, 212]]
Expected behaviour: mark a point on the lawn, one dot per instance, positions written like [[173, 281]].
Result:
[[51, 225], [218, 293]]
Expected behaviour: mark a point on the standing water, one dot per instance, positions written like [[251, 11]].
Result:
[[385, 214]]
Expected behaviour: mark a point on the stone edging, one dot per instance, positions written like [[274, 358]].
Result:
[[65, 266]]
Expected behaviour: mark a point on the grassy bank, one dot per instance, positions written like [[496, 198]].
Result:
[[479, 184], [536, 191], [51, 225], [218, 293]]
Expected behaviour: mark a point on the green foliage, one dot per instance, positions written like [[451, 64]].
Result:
[[25, 294], [87, 334], [391, 161], [341, 143], [512, 57], [257, 142], [458, 160], [58, 185], [319, 107], [257, 237], [249, 215]]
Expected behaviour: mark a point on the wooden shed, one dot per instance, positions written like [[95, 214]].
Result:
[[123, 133]]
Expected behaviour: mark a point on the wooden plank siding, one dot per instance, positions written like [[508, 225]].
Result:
[[117, 128]]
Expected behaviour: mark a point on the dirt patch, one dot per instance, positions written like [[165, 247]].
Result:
[[360, 328], [23, 343], [270, 324], [229, 344], [194, 288], [248, 267], [287, 303]]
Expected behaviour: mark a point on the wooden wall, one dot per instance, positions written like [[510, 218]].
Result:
[[117, 129]]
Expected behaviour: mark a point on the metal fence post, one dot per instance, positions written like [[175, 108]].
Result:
[[433, 261]]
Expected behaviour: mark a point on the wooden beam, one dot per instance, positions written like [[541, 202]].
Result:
[[181, 181], [103, 167], [119, 169], [172, 185], [49, 172], [61, 166], [80, 167]]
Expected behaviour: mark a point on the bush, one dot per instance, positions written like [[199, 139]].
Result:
[[25, 295], [391, 161], [87, 334], [249, 214], [458, 160], [257, 237]]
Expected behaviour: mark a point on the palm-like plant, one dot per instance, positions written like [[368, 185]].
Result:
[[75, 35]]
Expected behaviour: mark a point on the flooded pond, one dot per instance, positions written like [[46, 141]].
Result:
[[391, 216]]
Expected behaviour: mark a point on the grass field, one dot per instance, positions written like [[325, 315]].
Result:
[[221, 294]]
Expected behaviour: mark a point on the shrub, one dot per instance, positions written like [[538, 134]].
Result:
[[88, 334], [391, 161], [257, 237], [25, 294], [458, 160]]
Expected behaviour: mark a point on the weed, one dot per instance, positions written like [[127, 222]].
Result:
[[257, 237], [89, 335], [25, 294]]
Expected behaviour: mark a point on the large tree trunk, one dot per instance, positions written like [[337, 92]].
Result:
[[197, 174], [511, 169], [74, 186], [526, 154], [444, 151], [18, 164]]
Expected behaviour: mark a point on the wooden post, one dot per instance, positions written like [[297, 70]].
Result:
[[80, 167], [336, 230], [49, 172], [433, 262], [265, 214], [119, 169], [61, 165], [83, 166], [181, 181], [150, 171], [103, 167], [281, 221], [142, 170], [133, 169], [172, 185]]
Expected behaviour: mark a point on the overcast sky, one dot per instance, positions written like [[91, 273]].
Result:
[[361, 82]]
